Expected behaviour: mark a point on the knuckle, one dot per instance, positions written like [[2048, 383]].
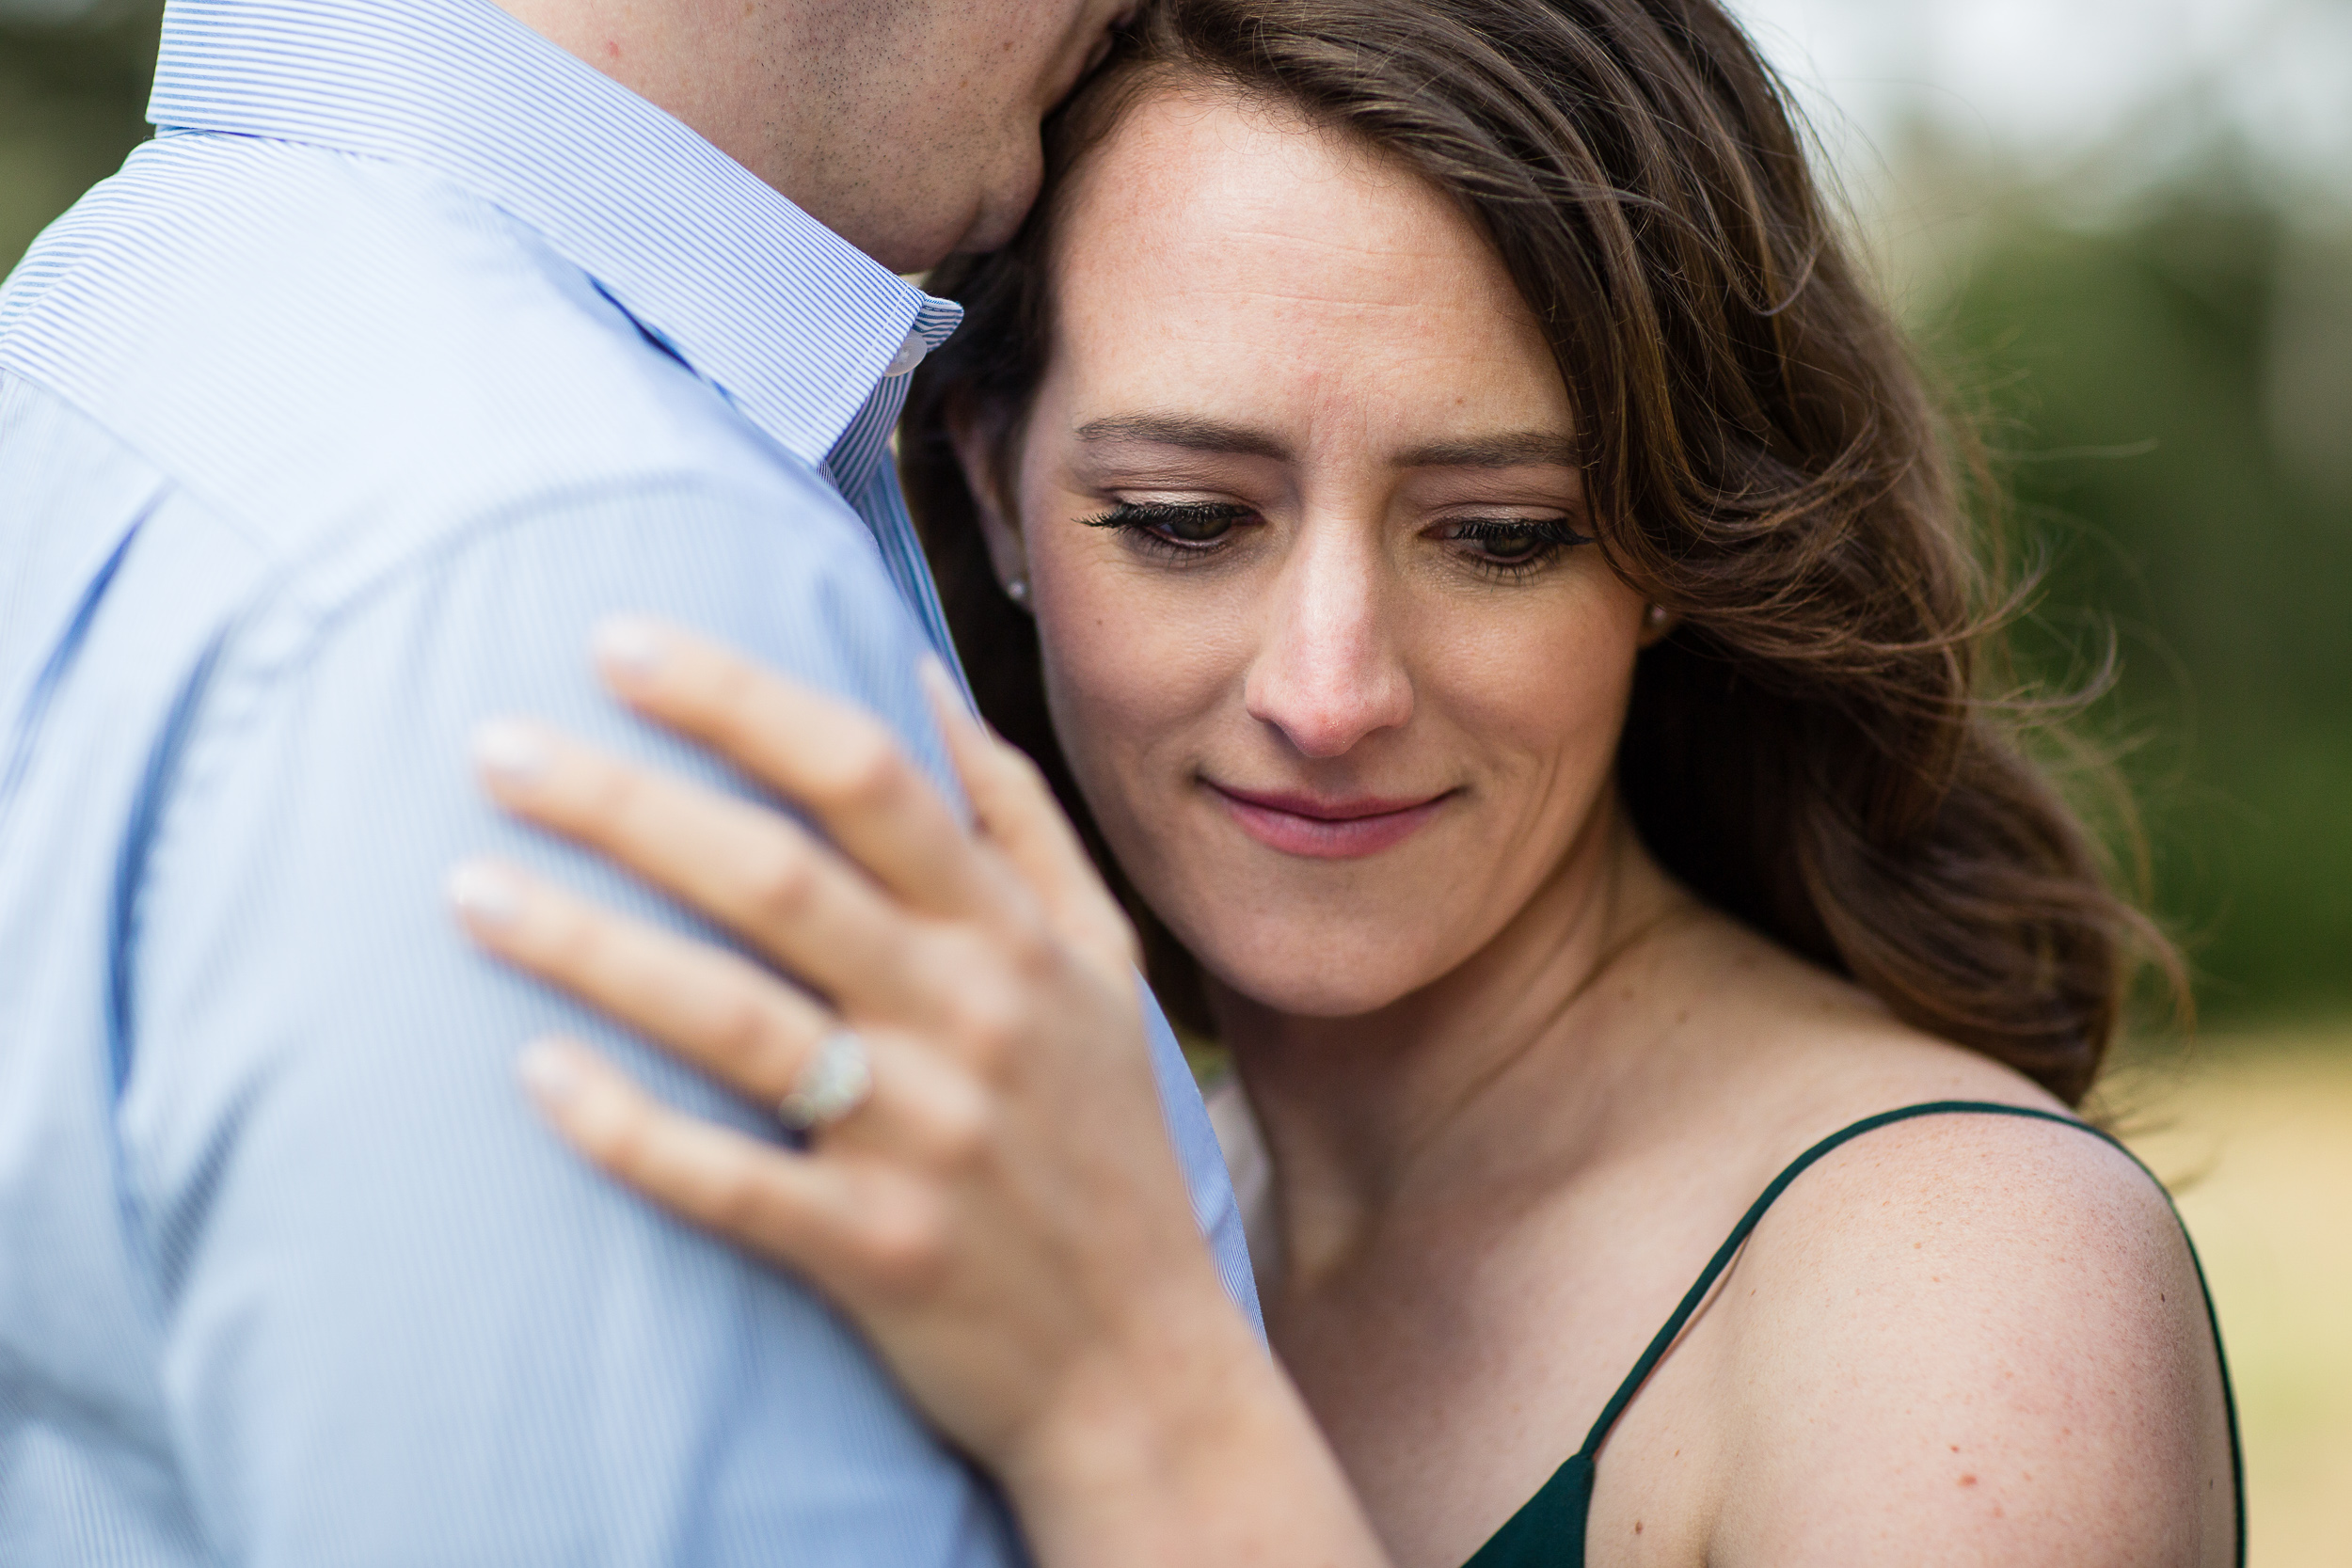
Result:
[[617, 1140], [963, 1131], [570, 940], [992, 1020], [781, 881], [864, 774], [1033, 950], [742, 1032], [1029, 944], [737, 1201], [904, 1248], [610, 793]]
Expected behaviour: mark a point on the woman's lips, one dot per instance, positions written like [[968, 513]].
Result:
[[1326, 830]]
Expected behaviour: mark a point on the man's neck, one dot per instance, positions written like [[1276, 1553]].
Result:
[[705, 63], [791, 90]]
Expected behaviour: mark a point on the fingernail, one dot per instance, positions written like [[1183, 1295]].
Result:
[[549, 1072], [630, 647], [485, 893], [509, 750]]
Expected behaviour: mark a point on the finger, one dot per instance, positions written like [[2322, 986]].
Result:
[[714, 1009], [925, 1108], [1017, 812], [750, 868], [710, 1007], [788, 1208], [836, 762]]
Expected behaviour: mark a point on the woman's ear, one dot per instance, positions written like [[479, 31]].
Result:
[[979, 445]]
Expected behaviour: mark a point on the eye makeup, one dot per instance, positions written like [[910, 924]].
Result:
[[1504, 547], [1513, 548], [1182, 527]]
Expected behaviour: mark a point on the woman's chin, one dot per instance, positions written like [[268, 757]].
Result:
[[1315, 991]]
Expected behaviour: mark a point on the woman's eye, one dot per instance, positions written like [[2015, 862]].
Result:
[[1188, 527], [1515, 543]]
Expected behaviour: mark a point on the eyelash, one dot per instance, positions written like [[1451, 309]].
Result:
[[1551, 536], [1145, 522]]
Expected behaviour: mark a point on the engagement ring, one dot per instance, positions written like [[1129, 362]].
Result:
[[834, 1083]]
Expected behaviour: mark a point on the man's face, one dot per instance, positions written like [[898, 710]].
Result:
[[930, 145], [907, 127]]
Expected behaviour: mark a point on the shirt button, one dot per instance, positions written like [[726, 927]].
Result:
[[909, 356]]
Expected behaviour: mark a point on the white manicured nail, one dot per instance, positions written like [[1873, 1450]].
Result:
[[485, 893], [510, 751], [549, 1073], [630, 647]]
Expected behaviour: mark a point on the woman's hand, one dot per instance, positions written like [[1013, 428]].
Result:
[[1003, 1215]]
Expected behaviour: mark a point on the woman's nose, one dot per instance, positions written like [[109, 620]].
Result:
[[1329, 672]]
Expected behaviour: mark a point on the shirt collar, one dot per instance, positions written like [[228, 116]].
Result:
[[792, 322]]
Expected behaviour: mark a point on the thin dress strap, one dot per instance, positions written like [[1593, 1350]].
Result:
[[1610, 1414]]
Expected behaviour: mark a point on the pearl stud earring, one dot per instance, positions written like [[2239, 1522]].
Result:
[[1018, 592]]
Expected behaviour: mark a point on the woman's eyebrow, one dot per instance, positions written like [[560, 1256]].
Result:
[[1188, 431], [1191, 432], [1518, 450]]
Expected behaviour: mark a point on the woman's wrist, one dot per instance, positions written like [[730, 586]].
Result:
[[1187, 1445], [1183, 1362]]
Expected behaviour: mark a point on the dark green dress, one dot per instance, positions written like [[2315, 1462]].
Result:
[[1549, 1532]]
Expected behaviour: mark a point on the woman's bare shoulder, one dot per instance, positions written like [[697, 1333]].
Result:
[[1965, 1337], [1984, 1333], [1810, 1050]]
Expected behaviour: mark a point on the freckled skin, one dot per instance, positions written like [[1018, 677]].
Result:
[[1516, 1083], [1339, 651], [1494, 1173]]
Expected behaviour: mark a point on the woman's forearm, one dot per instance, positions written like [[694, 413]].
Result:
[[1195, 1449]]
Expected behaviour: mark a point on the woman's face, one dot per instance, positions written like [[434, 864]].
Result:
[[1300, 515]]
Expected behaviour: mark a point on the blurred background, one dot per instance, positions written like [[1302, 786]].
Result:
[[2120, 231]]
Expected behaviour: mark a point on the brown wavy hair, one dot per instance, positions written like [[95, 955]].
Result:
[[1811, 750]]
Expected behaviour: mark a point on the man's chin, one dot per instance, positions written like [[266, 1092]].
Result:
[[996, 220], [910, 253]]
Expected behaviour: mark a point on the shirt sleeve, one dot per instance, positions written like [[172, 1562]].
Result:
[[400, 1324]]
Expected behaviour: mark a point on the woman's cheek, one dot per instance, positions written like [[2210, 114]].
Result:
[[1549, 689], [1123, 677]]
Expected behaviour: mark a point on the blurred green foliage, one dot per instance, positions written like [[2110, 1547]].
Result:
[[2171, 395], [73, 102]]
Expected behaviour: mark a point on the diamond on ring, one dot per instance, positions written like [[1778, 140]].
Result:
[[834, 1081]]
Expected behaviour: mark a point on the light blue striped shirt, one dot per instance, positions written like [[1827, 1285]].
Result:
[[408, 350]]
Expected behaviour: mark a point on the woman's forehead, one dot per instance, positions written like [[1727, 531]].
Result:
[[1211, 234], [1189, 169]]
